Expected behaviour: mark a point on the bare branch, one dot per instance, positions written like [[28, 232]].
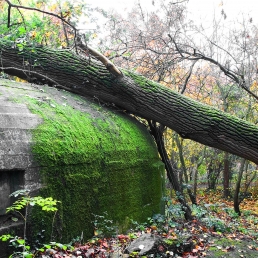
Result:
[[110, 66], [37, 10], [29, 76], [229, 73], [188, 77], [9, 16]]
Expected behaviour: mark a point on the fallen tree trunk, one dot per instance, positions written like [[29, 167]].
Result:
[[89, 77]]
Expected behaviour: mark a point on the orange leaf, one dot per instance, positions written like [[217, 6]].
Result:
[[153, 227]]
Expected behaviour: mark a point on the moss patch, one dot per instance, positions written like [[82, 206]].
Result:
[[225, 247], [93, 160]]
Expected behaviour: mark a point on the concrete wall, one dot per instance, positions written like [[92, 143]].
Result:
[[88, 156], [16, 160], [16, 122]]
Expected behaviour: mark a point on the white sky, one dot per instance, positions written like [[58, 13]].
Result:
[[200, 9], [234, 9]]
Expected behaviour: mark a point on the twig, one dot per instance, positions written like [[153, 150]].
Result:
[[110, 66], [37, 10]]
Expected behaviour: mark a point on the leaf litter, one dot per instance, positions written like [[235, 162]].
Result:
[[215, 231]]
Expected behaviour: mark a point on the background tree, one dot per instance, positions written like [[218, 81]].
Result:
[[167, 48], [157, 46]]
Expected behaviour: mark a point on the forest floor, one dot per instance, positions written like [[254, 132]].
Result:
[[215, 231]]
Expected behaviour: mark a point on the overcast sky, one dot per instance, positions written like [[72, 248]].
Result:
[[200, 9]]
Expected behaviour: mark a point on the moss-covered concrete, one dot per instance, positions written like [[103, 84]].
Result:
[[93, 159]]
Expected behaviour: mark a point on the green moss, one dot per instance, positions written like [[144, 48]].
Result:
[[94, 163], [238, 247], [142, 81], [216, 252], [185, 102]]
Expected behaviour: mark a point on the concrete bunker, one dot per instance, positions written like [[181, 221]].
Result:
[[92, 157], [10, 181]]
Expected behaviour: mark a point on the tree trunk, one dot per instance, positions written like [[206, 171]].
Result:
[[226, 172], [184, 170], [199, 163], [135, 93], [157, 132], [238, 185], [213, 174]]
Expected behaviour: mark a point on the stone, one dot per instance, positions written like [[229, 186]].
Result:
[[144, 244]]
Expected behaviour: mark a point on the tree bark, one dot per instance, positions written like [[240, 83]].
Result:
[[214, 169], [226, 175], [198, 164], [88, 77], [157, 132], [238, 185], [184, 170]]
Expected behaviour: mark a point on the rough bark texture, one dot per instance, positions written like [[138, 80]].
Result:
[[237, 189], [157, 132], [86, 76], [226, 176]]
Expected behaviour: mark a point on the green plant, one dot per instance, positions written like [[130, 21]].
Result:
[[138, 226], [56, 246], [103, 227], [21, 207], [212, 207], [38, 239], [134, 254], [174, 211], [246, 212], [77, 240], [171, 242], [159, 220], [218, 225], [231, 213], [198, 211]]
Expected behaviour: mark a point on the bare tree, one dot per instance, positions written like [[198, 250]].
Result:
[[85, 71]]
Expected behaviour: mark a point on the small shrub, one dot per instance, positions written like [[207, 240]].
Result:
[[174, 211], [218, 225], [198, 211], [231, 213], [138, 226], [22, 249], [104, 227]]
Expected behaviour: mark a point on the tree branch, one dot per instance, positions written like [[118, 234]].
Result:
[[37, 10], [110, 66], [229, 73], [188, 77]]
